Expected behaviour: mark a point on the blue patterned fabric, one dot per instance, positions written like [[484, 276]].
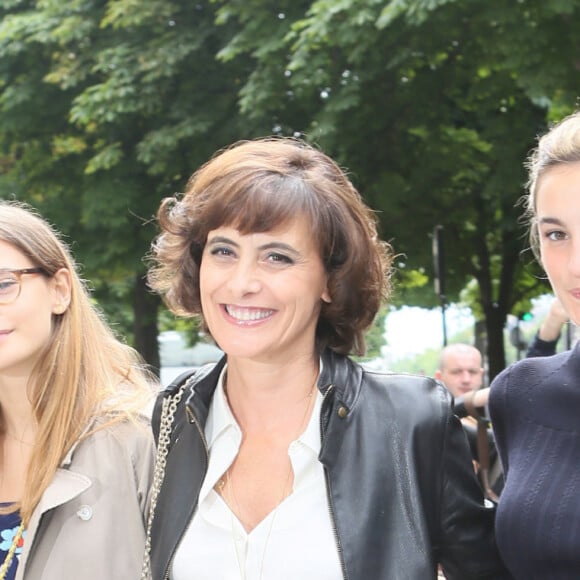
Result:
[[9, 524]]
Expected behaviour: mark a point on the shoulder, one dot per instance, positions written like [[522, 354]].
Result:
[[201, 381], [353, 379], [535, 370], [541, 391], [406, 395], [189, 379], [131, 438], [416, 398], [407, 385]]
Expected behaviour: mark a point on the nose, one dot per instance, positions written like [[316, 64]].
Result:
[[465, 376], [244, 278]]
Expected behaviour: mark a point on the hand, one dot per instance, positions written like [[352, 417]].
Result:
[[551, 327], [481, 397]]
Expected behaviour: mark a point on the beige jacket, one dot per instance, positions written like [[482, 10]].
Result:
[[90, 522]]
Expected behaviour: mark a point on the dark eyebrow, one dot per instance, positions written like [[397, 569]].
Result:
[[279, 246], [222, 240], [550, 220], [269, 246]]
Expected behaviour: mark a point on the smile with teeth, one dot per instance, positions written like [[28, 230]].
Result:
[[248, 314]]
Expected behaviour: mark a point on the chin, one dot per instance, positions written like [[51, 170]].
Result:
[[241, 350]]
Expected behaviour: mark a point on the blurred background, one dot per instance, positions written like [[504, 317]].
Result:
[[106, 107]]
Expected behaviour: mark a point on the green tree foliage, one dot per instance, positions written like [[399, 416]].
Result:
[[433, 112], [107, 106], [375, 335]]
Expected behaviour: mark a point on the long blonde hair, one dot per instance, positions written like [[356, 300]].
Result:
[[85, 372]]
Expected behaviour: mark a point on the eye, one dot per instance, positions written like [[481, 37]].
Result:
[[278, 258], [222, 251], [7, 284], [555, 235]]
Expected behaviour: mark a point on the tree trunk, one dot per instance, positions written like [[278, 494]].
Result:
[[145, 307], [494, 323], [480, 333]]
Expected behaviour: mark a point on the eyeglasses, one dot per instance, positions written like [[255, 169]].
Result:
[[11, 282]]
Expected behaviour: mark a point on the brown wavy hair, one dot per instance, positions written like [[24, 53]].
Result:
[[255, 186], [84, 373]]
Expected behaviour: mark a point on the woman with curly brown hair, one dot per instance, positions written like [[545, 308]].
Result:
[[287, 459]]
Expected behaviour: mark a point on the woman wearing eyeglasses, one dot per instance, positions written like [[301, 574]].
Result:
[[75, 454]]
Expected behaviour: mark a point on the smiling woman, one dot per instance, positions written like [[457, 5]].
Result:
[[535, 403], [261, 293], [558, 223], [75, 451], [29, 325], [286, 446]]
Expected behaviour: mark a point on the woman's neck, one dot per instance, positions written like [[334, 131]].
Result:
[[265, 397]]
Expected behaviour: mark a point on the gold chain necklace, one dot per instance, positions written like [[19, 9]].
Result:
[[232, 494], [10, 555], [226, 483]]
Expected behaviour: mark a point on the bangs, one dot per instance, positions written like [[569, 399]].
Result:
[[263, 204]]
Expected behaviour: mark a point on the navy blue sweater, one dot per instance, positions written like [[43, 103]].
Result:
[[535, 412]]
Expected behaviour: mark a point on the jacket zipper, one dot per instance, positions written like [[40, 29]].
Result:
[[192, 419], [329, 498]]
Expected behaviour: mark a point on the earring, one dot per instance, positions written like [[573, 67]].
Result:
[[59, 308]]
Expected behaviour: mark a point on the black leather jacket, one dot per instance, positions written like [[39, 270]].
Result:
[[401, 487]]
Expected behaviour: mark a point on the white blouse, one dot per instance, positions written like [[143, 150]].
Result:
[[296, 540]]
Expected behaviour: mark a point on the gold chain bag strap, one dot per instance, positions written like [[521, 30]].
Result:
[[168, 409]]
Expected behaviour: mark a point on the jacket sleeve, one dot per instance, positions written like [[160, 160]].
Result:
[[466, 548], [143, 464], [540, 347]]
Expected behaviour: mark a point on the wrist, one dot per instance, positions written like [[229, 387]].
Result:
[[475, 402], [549, 332]]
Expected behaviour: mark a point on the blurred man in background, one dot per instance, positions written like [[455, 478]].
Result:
[[460, 369]]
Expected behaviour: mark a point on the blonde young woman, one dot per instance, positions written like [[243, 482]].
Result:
[[535, 403], [75, 453]]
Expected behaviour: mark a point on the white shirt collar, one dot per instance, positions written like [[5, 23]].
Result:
[[221, 419]]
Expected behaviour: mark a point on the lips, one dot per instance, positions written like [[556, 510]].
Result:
[[248, 314]]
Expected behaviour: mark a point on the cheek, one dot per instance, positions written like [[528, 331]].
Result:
[[556, 269], [38, 331], [552, 262], [208, 283], [204, 279], [203, 295]]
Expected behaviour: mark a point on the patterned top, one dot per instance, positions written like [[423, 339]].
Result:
[[9, 524]]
